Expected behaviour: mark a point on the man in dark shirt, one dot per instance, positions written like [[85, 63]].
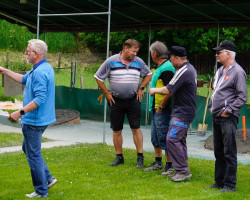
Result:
[[183, 89]]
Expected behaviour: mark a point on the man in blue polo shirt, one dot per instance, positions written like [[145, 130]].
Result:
[[183, 88], [37, 113]]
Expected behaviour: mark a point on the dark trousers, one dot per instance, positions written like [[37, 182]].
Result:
[[225, 150]]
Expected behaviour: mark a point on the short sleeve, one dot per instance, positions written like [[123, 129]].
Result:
[[103, 72]]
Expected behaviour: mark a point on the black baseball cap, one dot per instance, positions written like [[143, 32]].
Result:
[[226, 44], [177, 51]]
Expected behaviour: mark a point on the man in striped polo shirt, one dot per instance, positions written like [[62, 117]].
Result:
[[124, 71], [183, 89]]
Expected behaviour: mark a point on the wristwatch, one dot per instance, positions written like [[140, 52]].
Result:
[[142, 88], [22, 112], [160, 107]]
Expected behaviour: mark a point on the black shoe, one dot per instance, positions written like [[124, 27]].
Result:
[[140, 160], [227, 189], [118, 160], [215, 185]]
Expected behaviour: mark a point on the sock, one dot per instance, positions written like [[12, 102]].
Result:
[[169, 164], [158, 159], [139, 154], [119, 155]]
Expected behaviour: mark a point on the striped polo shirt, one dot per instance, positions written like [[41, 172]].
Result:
[[124, 80]]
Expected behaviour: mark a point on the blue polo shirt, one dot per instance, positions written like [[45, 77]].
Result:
[[183, 88], [40, 88]]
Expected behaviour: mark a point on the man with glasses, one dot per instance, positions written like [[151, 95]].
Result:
[[230, 94], [37, 113], [183, 88]]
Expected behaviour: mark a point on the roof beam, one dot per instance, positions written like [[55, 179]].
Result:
[[231, 9], [155, 11], [196, 11], [58, 15], [27, 13], [118, 12], [18, 20], [80, 10]]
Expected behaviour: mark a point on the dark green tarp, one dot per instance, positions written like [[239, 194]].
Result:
[[90, 103]]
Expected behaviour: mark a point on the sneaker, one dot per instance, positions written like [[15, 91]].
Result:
[[215, 185], [154, 166], [140, 160], [34, 195], [51, 182], [167, 171], [181, 177], [118, 160], [227, 189]]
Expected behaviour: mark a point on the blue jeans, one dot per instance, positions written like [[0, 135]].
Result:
[[225, 150], [159, 128], [32, 149]]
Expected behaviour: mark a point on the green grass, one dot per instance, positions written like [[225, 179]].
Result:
[[83, 173], [13, 139]]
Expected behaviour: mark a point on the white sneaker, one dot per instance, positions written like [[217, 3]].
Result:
[[34, 194], [51, 182]]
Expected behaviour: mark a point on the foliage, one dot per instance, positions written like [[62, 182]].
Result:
[[195, 40], [82, 172], [13, 139], [15, 37]]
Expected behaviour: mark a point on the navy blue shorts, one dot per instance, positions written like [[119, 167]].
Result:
[[130, 107]]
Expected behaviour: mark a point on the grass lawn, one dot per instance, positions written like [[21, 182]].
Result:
[[13, 139], [83, 173]]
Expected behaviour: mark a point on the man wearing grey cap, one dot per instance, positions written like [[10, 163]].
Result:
[[183, 89], [230, 94]]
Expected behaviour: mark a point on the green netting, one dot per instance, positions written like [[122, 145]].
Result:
[[90, 103]]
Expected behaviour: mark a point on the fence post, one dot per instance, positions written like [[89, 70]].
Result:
[[7, 59], [59, 60], [81, 81]]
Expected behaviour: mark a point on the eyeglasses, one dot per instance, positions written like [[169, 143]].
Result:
[[219, 52], [27, 51]]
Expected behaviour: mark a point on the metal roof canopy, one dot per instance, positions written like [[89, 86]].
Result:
[[90, 15]]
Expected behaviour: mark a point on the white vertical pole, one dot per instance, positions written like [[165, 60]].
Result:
[[147, 94], [106, 82], [218, 38], [38, 20]]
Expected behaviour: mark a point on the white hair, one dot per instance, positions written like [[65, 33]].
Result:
[[39, 46], [232, 55]]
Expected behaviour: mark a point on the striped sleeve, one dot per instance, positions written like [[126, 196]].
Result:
[[179, 79]]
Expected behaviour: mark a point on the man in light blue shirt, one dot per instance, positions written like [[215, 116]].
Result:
[[37, 113]]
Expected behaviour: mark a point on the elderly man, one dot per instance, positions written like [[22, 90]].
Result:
[[183, 89], [160, 107], [124, 71], [230, 94], [37, 113]]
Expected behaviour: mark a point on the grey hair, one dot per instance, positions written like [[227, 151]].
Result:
[[232, 55], [160, 49], [39, 46]]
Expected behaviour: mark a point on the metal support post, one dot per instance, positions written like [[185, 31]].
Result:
[[106, 83]]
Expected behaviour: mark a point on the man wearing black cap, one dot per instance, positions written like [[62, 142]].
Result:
[[183, 88], [230, 94]]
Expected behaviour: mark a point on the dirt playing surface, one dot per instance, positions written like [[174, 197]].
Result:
[[242, 147]]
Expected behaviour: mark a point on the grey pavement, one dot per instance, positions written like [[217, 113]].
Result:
[[88, 131]]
